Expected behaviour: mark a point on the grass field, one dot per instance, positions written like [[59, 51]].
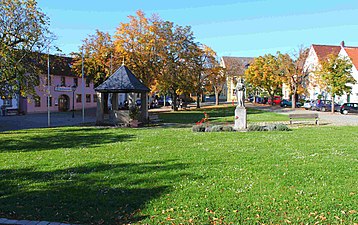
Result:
[[175, 176], [220, 115]]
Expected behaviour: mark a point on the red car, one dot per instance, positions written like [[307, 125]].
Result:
[[276, 100]]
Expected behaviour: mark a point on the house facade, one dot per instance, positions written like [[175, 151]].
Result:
[[64, 91], [235, 67], [319, 53]]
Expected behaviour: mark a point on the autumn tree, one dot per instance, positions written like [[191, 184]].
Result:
[[98, 57], [214, 75], [177, 45], [264, 73], [138, 43], [23, 30], [335, 71], [293, 72]]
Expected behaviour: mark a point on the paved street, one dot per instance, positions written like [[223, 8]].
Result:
[[327, 118], [39, 120]]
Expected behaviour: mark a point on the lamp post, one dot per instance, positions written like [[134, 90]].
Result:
[[73, 100]]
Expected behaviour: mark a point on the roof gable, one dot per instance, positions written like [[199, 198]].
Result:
[[122, 81], [352, 52], [322, 51]]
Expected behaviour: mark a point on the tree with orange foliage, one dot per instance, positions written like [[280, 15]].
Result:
[[137, 42], [265, 73]]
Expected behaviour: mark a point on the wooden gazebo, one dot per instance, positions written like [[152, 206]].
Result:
[[122, 81]]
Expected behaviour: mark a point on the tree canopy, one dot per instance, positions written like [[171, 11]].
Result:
[[336, 73], [264, 73], [23, 32]]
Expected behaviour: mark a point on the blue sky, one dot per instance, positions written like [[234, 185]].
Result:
[[231, 28]]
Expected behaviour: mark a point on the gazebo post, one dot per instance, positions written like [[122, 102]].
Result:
[[100, 107], [144, 107], [114, 101]]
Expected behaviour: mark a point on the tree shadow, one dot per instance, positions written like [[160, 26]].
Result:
[[89, 194], [52, 139]]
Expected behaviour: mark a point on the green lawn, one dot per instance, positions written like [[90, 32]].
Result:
[[221, 114], [174, 176]]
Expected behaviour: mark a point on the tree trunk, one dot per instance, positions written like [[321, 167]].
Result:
[[198, 100], [332, 104], [175, 105], [217, 97], [293, 100]]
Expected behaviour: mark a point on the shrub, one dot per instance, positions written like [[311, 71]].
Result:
[[282, 127], [228, 128], [198, 128], [270, 127], [216, 128], [208, 129], [255, 127]]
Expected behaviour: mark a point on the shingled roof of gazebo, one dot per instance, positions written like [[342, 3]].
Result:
[[122, 81]]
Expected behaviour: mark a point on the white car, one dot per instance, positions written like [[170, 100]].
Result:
[[308, 104]]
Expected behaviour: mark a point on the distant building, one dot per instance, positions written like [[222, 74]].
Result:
[[236, 67], [62, 80], [316, 55]]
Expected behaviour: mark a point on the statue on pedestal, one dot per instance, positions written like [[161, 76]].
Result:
[[240, 93]]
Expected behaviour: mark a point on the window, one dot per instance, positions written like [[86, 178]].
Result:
[[49, 105], [7, 102], [78, 98], [88, 81], [88, 98], [37, 100], [75, 81], [63, 81], [94, 98]]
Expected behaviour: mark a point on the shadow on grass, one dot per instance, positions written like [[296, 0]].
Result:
[[88, 194], [52, 139]]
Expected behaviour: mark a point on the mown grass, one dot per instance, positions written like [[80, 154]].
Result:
[[175, 176], [220, 115]]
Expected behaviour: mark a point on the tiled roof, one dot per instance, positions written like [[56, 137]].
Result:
[[353, 54], [323, 51], [240, 63], [122, 81]]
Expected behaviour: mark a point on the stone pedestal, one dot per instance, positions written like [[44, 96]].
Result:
[[240, 118]]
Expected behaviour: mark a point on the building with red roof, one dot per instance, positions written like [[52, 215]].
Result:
[[319, 53]]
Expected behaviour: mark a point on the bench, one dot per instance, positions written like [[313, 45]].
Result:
[[12, 112], [304, 116]]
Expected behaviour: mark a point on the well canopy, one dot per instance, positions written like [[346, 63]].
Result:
[[122, 81]]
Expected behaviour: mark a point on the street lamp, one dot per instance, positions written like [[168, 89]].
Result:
[[73, 88]]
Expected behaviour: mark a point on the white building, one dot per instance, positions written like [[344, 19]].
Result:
[[319, 53]]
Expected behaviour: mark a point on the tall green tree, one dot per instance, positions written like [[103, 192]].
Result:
[[23, 31], [336, 71], [293, 72], [264, 73]]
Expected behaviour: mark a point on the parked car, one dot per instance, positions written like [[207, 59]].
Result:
[[349, 108], [308, 104], [168, 101], [325, 105], [286, 103], [328, 107], [276, 100]]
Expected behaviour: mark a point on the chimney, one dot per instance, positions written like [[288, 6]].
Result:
[[342, 44]]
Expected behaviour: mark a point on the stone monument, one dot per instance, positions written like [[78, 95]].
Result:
[[240, 111]]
